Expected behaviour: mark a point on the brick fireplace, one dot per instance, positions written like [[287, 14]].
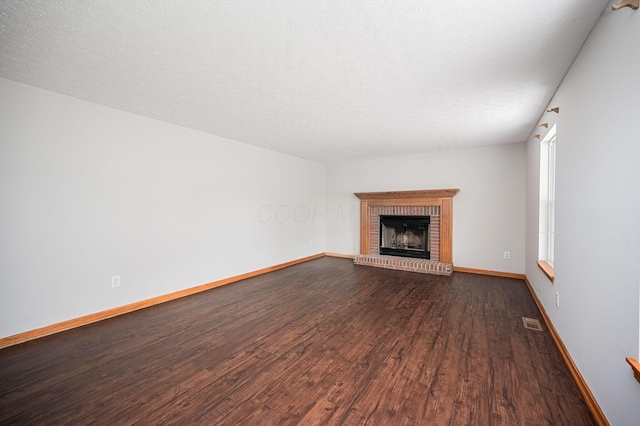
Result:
[[438, 204]]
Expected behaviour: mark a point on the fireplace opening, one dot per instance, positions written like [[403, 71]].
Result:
[[406, 236]]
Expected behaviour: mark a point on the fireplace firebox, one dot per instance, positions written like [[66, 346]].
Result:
[[406, 236]]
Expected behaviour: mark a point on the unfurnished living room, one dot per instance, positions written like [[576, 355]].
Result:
[[319, 212]]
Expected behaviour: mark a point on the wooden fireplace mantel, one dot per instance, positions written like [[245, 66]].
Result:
[[442, 198]]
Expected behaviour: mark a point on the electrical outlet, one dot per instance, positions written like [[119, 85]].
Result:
[[507, 255], [311, 243], [115, 281], [557, 299]]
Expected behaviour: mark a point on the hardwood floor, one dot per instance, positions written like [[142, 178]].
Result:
[[324, 342]]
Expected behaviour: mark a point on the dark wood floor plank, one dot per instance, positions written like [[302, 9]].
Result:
[[321, 343]]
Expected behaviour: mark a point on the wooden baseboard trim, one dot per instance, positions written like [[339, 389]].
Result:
[[110, 313], [346, 256], [488, 272], [594, 407]]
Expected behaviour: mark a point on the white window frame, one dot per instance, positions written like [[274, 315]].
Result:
[[547, 202]]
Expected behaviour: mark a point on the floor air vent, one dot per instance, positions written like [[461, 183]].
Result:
[[531, 324]]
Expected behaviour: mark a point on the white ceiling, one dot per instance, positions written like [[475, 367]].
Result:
[[324, 80]]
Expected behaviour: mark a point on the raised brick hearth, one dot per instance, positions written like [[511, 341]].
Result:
[[425, 266], [434, 203]]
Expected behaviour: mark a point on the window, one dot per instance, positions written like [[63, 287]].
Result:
[[547, 224], [551, 202]]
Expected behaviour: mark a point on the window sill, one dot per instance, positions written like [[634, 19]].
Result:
[[547, 269], [635, 366]]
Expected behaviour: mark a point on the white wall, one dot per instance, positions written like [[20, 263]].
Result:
[[88, 192], [597, 262], [488, 212]]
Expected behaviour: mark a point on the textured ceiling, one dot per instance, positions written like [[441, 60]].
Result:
[[325, 80]]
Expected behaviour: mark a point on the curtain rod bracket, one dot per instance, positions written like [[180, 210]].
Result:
[[633, 4]]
